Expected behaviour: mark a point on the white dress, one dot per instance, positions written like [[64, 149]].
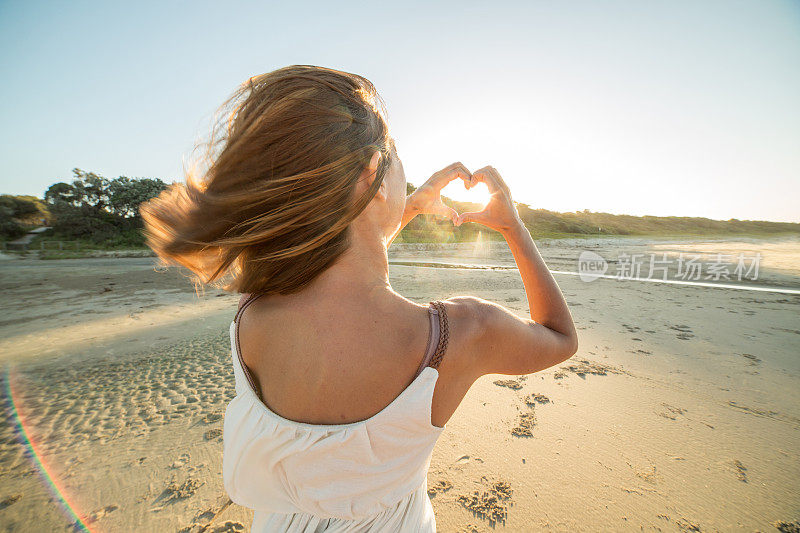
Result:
[[363, 476]]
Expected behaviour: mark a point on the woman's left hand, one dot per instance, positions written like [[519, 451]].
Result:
[[427, 199]]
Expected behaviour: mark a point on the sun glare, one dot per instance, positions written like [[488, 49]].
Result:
[[477, 195]]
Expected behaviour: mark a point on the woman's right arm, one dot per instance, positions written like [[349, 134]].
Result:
[[505, 343]]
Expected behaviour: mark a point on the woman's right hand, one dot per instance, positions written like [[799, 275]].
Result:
[[427, 198], [500, 214]]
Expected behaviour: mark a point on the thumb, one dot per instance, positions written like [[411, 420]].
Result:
[[470, 217], [445, 211]]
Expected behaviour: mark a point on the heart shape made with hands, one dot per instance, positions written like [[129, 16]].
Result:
[[457, 190], [457, 183], [481, 188]]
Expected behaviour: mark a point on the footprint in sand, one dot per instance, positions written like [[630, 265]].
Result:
[[584, 367], [648, 476], [525, 425], [94, 516], [684, 332], [686, 525], [671, 412], [464, 459], [513, 384], [752, 358], [440, 486], [491, 505], [203, 521], [740, 470], [206, 516], [787, 527], [682, 524], [9, 501], [197, 468], [209, 418], [212, 434], [229, 527], [532, 399], [143, 407], [174, 491], [753, 410], [181, 461]]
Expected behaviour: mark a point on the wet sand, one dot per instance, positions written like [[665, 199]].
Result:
[[680, 411]]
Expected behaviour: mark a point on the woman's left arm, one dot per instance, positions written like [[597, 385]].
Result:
[[427, 200]]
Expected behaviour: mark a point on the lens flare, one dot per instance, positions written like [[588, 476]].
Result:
[[23, 433]]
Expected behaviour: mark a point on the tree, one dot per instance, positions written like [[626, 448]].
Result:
[[99, 209], [60, 193], [126, 194], [90, 189]]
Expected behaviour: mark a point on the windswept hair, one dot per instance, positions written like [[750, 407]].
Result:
[[271, 211]]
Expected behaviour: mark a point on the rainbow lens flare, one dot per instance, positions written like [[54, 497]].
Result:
[[24, 436]]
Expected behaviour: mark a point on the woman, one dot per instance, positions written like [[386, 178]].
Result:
[[342, 385]]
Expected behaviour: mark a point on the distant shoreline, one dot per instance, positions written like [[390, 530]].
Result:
[[484, 240]]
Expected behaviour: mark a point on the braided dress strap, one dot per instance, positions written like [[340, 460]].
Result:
[[245, 300], [444, 333]]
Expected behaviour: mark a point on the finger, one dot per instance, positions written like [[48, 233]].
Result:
[[470, 182], [500, 181], [483, 175], [491, 178], [456, 171], [443, 210], [449, 173], [478, 217]]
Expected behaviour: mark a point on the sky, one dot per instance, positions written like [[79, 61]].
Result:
[[680, 108]]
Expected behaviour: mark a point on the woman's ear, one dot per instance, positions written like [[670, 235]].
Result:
[[370, 173], [374, 162]]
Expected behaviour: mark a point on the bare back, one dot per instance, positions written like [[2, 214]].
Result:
[[339, 363]]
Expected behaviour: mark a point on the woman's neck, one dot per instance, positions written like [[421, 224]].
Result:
[[361, 273]]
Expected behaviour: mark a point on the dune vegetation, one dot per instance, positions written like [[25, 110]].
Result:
[[93, 212]]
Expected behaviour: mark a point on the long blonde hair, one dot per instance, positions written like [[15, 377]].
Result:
[[272, 209]]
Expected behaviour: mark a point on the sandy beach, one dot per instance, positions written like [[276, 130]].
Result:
[[680, 411]]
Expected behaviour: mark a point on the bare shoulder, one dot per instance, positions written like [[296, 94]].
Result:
[[473, 308], [491, 339], [474, 316], [470, 323], [471, 320]]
